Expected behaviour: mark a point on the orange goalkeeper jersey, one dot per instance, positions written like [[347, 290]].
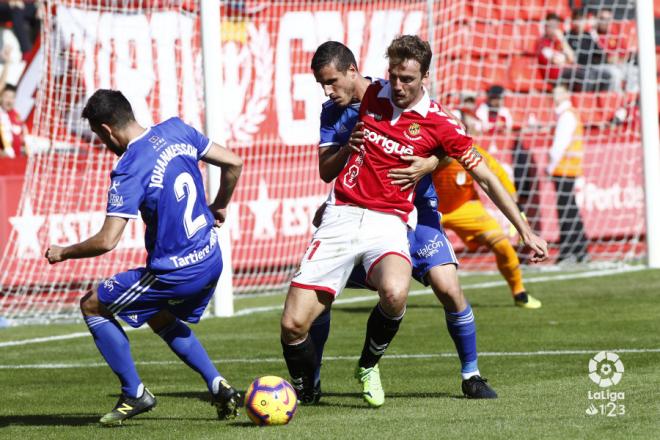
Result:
[[455, 186]]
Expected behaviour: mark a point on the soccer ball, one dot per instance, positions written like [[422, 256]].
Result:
[[270, 400]]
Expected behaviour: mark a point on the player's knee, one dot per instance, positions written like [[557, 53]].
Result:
[[293, 328], [89, 304], [393, 297]]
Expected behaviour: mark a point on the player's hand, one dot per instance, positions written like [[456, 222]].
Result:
[[418, 168], [537, 246], [318, 215], [356, 140], [54, 254], [219, 214]]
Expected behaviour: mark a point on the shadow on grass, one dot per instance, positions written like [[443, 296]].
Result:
[[49, 420], [366, 310], [79, 420], [204, 396]]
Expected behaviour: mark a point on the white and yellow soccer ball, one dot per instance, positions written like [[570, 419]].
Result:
[[270, 400]]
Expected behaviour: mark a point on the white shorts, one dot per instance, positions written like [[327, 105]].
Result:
[[348, 236]]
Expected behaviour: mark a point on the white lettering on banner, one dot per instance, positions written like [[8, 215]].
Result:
[[299, 86], [65, 229], [117, 51], [591, 197], [297, 215], [311, 29]]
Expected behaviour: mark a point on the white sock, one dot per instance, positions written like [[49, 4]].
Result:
[[466, 376]]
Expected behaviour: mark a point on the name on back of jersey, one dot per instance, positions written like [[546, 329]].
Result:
[[164, 159]]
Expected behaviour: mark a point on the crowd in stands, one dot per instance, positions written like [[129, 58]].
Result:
[[19, 26]]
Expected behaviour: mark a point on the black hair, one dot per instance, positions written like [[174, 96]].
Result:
[[333, 52], [108, 107], [9, 88], [552, 16]]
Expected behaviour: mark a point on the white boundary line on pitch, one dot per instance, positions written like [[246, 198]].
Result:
[[357, 299], [343, 358]]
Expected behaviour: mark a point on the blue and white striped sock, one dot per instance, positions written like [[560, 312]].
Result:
[[115, 348], [464, 333]]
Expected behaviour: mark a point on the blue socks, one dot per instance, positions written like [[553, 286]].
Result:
[[185, 344], [464, 333], [319, 334], [113, 344]]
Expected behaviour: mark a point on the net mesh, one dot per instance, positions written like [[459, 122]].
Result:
[[271, 104]]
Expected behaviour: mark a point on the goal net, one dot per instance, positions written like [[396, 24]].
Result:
[[151, 51]]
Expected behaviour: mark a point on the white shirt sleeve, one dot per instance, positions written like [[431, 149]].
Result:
[[566, 126]]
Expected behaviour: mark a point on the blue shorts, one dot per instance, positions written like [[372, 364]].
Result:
[[429, 247], [137, 294]]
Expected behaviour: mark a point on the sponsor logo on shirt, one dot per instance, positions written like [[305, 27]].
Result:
[[389, 146], [412, 132], [157, 142]]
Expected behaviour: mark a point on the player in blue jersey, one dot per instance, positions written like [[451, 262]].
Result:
[[433, 259], [157, 176]]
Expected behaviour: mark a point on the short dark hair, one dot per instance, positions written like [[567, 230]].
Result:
[[333, 52], [108, 107], [495, 91], [9, 88], [552, 16], [410, 47]]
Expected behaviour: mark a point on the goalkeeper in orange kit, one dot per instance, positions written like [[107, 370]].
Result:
[[463, 213]]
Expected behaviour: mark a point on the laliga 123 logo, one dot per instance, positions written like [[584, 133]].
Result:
[[606, 370]]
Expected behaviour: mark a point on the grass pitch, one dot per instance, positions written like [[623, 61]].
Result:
[[537, 360]]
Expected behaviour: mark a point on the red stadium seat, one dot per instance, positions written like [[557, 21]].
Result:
[[510, 9], [588, 108], [530, 108], [609, 102], [524, 75], [491, 38], [485, 11], [461, 74], [538, 9], [495, 71], [527, 34]]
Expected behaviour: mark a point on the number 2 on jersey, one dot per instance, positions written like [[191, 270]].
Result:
[[183, 181]]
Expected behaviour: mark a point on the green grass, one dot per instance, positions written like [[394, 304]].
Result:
[[541, 395]]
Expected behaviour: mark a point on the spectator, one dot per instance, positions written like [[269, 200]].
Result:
[[24, 17], [466, 113], [565, 167], [557, 61], [618, 56], [12, 127], [584, 41], [11, 58], [494, 117]]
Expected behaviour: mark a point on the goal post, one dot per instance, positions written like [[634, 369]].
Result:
[[239, 70], [650, 134]]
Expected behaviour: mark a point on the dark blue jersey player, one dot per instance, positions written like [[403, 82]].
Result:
[[157, 177]]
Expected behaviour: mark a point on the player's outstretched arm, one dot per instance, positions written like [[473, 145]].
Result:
[[231, 166], [104, 241], [418, 168], [503, 200]]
